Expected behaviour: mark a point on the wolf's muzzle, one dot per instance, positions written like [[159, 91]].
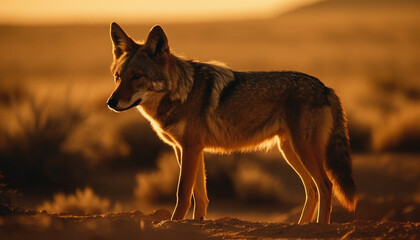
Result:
[[113, 103]]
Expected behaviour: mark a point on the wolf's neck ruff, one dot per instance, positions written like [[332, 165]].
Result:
[[181, 74]]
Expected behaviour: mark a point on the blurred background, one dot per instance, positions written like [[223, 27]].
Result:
[[63, 150]]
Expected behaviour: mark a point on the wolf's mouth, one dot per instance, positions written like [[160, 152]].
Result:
[[137, 102]]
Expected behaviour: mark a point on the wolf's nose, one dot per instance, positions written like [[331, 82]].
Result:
[[112, 102]]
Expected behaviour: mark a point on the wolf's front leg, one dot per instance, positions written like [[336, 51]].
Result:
[[189, 165], [200, 192]]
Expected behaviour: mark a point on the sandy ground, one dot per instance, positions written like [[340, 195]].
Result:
[[136, 225]]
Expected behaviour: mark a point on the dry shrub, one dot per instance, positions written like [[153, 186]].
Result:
[[57, 142], [97, 140], [158, 185], [401, 132], [386, 116], [398, 127], [7, 199], [31, 141], [81, 203], [253, 184], [360, 136], [144, 146], [11, 92]]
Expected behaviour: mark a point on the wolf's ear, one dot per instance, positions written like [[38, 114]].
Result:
[[157, 42], [121, 42]]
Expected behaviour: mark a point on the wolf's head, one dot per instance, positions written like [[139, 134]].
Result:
[[138, 69]]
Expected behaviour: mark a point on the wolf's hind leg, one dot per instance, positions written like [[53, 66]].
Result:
[[311, 200], [314, 164], [201, 200]]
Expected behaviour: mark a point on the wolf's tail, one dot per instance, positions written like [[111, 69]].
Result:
[[338, 156]]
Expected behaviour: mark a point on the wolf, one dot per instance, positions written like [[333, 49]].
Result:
[[198, 107]]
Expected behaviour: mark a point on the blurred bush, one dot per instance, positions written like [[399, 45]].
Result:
[[360, 136], [400, 133], [31, 145], [7, 199], [159, 185], [58, 143], [252, 183], [81, 203], [396, 102]]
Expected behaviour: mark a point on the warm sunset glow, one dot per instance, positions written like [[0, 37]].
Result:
[[82, 11], [72, 168]]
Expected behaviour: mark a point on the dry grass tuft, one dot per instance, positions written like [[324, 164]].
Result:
[[81, 203], [158, 185], [401, 132], [253, 184]]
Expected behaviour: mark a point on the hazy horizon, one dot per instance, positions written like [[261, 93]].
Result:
[[50, 12]]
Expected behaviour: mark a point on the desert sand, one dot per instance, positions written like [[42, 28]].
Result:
[[136, 225]]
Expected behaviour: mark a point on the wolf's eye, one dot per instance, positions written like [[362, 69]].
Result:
[[137, 76]]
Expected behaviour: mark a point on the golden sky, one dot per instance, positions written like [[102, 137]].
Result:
[[95, 11]]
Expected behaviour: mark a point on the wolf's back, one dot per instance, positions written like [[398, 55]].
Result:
[[338, 156]]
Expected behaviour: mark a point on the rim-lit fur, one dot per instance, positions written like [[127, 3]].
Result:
[[196, 107]]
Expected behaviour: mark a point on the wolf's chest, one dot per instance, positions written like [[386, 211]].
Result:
[[168, 128]]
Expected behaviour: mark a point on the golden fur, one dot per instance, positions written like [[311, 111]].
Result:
[[196, 107]]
